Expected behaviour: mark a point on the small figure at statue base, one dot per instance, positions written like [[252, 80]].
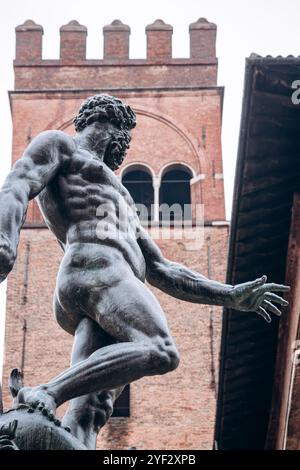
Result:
[[26, 428]]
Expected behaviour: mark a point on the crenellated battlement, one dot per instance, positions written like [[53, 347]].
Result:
[[73, 41], [116, 41], [29, 42], [59, 73]]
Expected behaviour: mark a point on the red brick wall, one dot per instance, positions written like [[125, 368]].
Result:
[[172, 127]]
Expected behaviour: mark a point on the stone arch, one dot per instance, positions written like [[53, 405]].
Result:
[[166, 120], [173, 165], [135, 166], [180, 130]]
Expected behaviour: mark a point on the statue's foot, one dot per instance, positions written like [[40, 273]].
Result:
[[37, 398]]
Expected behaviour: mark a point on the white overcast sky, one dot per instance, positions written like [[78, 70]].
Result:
[[244, 26]]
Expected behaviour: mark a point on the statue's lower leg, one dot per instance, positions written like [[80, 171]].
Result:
[[88, 414], [109, 367]]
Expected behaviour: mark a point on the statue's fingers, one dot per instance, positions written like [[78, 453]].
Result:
[[5, 442], [51, 415], [48, 413], [271, 307], [13, 426], [254, 284], [7, 447], [263, 313], [41, 406], [34, 404], [276, 288], [276, 298]]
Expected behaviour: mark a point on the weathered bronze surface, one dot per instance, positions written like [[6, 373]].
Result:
[[121, 333]]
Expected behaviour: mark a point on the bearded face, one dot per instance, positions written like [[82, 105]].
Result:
[[116, 149]]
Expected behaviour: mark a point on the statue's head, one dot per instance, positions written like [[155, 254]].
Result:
[[109, 116]]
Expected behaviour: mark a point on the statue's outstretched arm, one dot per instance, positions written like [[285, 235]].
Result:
[[30, 174], [185, 284]]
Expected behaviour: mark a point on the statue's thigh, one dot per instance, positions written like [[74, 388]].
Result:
[[128, 311], [88, 338]]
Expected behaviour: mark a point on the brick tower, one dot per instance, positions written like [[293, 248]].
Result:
[[175, 157]]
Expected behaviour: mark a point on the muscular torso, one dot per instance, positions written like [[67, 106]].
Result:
[[92, 215]]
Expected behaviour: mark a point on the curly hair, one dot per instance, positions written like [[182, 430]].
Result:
[[105, 108]]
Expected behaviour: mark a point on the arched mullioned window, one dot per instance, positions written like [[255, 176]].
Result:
[[138, 181], [175, 191]]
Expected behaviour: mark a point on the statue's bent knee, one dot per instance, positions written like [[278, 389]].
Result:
[[164, 357]]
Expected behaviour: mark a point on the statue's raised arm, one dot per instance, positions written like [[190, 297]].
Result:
[[30, 174], [186, 284]]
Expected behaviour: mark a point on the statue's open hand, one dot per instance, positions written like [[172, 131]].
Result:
[[257, 296]]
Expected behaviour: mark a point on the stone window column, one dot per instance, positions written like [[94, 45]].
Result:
[[156, 187]]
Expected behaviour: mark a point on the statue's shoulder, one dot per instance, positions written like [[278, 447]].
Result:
[[54, 139]]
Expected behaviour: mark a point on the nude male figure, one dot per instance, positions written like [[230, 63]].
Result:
[[120, 330]]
